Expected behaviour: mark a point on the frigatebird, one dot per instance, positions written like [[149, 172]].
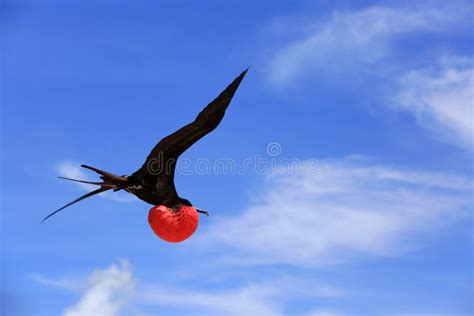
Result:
[[173, 218]]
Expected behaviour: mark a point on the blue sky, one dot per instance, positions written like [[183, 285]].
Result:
[[371, 101]]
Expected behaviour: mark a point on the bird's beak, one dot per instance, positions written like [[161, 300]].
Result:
[[203, 212]]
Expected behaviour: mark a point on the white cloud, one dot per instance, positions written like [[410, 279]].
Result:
[[341, 211], [62, 283], [324, 312], [72, 170], [441, 98], [249, 300], [108, 292], [352, 38], [265, 298]]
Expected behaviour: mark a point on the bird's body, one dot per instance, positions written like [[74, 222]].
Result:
[[154, 181]]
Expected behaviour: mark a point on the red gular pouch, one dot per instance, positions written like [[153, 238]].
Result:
[[173, 225]]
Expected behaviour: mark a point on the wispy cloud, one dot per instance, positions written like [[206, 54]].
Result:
[[114, 291], [348, 39], [73, 170], [325, 312], [441, 98], [264, 298], [61, 283], [248, 300], [108, 291], [342, 211]]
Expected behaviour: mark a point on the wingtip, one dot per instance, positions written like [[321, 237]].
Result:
[[240, 77]]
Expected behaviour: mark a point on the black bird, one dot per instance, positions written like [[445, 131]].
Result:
[[154, 181]]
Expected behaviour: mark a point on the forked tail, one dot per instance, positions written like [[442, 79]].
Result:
[[109, 182]]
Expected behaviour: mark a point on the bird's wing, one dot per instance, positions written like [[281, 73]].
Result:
[[160, 163]]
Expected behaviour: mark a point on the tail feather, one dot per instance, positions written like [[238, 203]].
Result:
[[82, 181], [85, 196], [109, 182], [106, 175]]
